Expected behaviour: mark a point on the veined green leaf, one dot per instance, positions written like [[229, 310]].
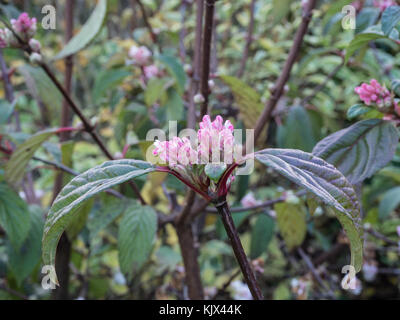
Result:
[[15, 167], [361, 40], [389, 202], [326, 183], [291, 220], [14, 216], [24, 260], [361, 149], [88, 32], [357, 110], [82, 188], [390, 18], [136, 236]]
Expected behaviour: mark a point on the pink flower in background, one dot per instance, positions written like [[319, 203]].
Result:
[[383, 4], [374, 93], [357, 4], [3, 39], [206, 163], [150, 71], [24, 26], [34, 45], [249, 200], [139, 55]]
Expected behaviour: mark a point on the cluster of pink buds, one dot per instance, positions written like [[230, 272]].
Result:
[[141, 56], [383, 4], [24, 28], [208, 164], [376, 94]]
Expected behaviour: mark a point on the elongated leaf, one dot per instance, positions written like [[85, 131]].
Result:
[[80, 189], [24, 260], [389, 202], [361, 40], [390, 18], [357, 110], [361, 149], [174, 106], [15, 167], [247, 100], [107, 80], [326, 183], [136, 236], [14, 216], [261, 235], [291, 220], [88, 32], [176, 70]]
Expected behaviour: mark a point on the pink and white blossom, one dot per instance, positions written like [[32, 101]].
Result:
[[139, 55], [151, 71], [249, 200], [34, 45], [374, 93], [24, 26]]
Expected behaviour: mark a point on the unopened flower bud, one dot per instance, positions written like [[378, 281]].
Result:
[[198, 98], [34, 45], [188, 69], [35, 57], [139, 55], [211, 84]]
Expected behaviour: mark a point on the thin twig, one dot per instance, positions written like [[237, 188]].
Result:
[[249, 39], [237, 247], [283, 78], [222, 290], [206, 52], [153, 35]]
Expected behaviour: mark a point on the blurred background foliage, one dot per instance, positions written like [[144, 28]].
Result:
[[113, 95]]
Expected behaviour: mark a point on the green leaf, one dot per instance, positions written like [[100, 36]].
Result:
[[155, 90], [15, 167], [326, 183], [357, 110], [24, 260], [80, 189], [361, 40], [361, 149], [6, 110], [291, 220], [14, 216], [389, 202], [176, 70], [108, 211], [107, 80], [280, 9], [390, 18], [174, 106], [297, 132], [247, 100], [79, 221], [88, 32], [136, 235], [261, 235]]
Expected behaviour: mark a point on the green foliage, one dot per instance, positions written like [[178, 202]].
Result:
[[136, 236], [291, 220], [326, 183], [390, 18], [389, 202], [361, 149], [261, 235], [88, 32], [81, 188], [14, 216]]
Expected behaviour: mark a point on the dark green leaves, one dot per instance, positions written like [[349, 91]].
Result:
[[390, 18], [261, 235], [107, 80], [88, 32], [14, 216], [15, 167], [357, 110], [82, 188], [389, 202], [136, 236], [176, 70], [326, 183], [361, 40], [361, 149]]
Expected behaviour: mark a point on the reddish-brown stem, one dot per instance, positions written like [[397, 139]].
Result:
[[249, 38], [237, 247], [147, 23], [64, 245], [206, 52], [284, 76]]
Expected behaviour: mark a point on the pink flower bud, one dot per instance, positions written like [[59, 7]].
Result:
[[24, 26], [373, 93], [34, 45], [139, 55], [198, 98], [150, 71], [249, 200]]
